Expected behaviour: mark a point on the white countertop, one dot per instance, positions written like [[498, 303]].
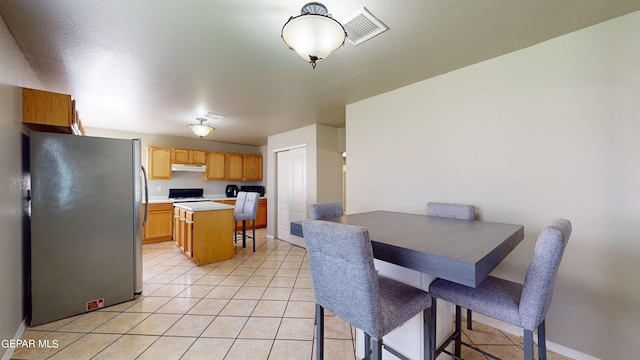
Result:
[[203, 206], [212, 197]]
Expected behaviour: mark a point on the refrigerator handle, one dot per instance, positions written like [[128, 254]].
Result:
[[146, 196]]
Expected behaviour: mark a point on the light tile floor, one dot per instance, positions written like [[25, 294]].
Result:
[[256, 306]]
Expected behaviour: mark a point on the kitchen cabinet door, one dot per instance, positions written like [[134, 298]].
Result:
[[252, 169], [159, 163], [197, 157], [216, 166], [158, 227], [176, 226], [258, 168], [51, 112], [188, 234], [261, 214], [180, 156], [235, 166]]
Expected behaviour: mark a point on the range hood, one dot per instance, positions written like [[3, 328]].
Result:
[[187, 167]]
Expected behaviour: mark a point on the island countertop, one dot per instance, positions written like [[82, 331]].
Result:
[[211, 197], [203, 206]]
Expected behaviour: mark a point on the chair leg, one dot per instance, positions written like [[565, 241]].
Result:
[[469, 320], [542, 342], [432, 329], [319, 332], [367, 347], [377, 350], [244, 233], [427, 329], [458, 339], [254, 234], [528, 345]]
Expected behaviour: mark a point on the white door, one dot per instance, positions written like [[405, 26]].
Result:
[[291, 192]]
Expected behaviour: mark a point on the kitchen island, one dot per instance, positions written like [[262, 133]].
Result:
[[204, 231]]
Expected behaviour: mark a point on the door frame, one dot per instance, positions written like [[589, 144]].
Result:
[[277, 195]]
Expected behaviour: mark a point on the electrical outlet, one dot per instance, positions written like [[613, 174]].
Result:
[[158, 188]]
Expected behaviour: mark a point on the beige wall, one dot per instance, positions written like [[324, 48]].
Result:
[[14, 72], [549, 131]]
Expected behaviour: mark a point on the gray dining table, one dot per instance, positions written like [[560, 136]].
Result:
[[463, 251]]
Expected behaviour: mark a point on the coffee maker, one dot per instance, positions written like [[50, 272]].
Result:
[[232, 190]]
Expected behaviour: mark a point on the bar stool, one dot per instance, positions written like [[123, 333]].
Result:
[[453, 211], [325, 210], [346, 283], [246, 209], [524, 305]]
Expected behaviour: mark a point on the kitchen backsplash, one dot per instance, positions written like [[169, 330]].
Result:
[[192, 180]]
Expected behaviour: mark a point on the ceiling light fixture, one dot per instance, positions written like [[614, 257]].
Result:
[[201, 129], [313, 34]]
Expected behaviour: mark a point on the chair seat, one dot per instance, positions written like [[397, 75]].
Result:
[[400, 302], [494, 297]]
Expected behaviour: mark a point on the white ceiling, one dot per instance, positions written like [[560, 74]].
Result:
[[153, 66]]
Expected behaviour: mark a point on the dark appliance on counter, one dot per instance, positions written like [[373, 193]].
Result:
[[232, 190], [253, 188], [86, 223], [186, 195]]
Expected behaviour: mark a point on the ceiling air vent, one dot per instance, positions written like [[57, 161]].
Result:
[[363, 26]]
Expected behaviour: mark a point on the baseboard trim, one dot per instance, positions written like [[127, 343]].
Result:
[[23, 326], [517, 331], [270, 237]]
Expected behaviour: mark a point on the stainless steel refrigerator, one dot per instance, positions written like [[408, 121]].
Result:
[[86, 223]]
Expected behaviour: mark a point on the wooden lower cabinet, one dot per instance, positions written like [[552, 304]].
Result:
[[204, 236], [261, 214], [158, 227]]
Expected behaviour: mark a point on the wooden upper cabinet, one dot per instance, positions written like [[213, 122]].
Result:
[[159, 163], [258, 168], [216, 166], [197, 157], [52, 112], [252, 170], [180, 156], [235, 167], [220, 165], [186, 156]]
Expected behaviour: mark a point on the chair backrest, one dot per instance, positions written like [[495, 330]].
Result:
[[541, 275], [453, 211], [251, 204], [325, 210], [240, 199], [345, 281]]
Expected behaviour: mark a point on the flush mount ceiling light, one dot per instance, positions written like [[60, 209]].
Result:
[[201, 129], [313, 34]]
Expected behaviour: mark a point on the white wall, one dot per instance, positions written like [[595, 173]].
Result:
[[329, 165], [302, 136], [14, 72], [324, 165], [185, 179], [549, 131]]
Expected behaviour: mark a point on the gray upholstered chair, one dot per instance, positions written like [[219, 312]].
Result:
[[453, 211], [524, 305], [346, 283], [246, 209], [326, 210]]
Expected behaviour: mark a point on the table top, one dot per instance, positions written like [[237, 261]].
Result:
[[463, 251]]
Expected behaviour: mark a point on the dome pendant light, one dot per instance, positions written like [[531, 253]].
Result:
[[201, 129], [313, 34]]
